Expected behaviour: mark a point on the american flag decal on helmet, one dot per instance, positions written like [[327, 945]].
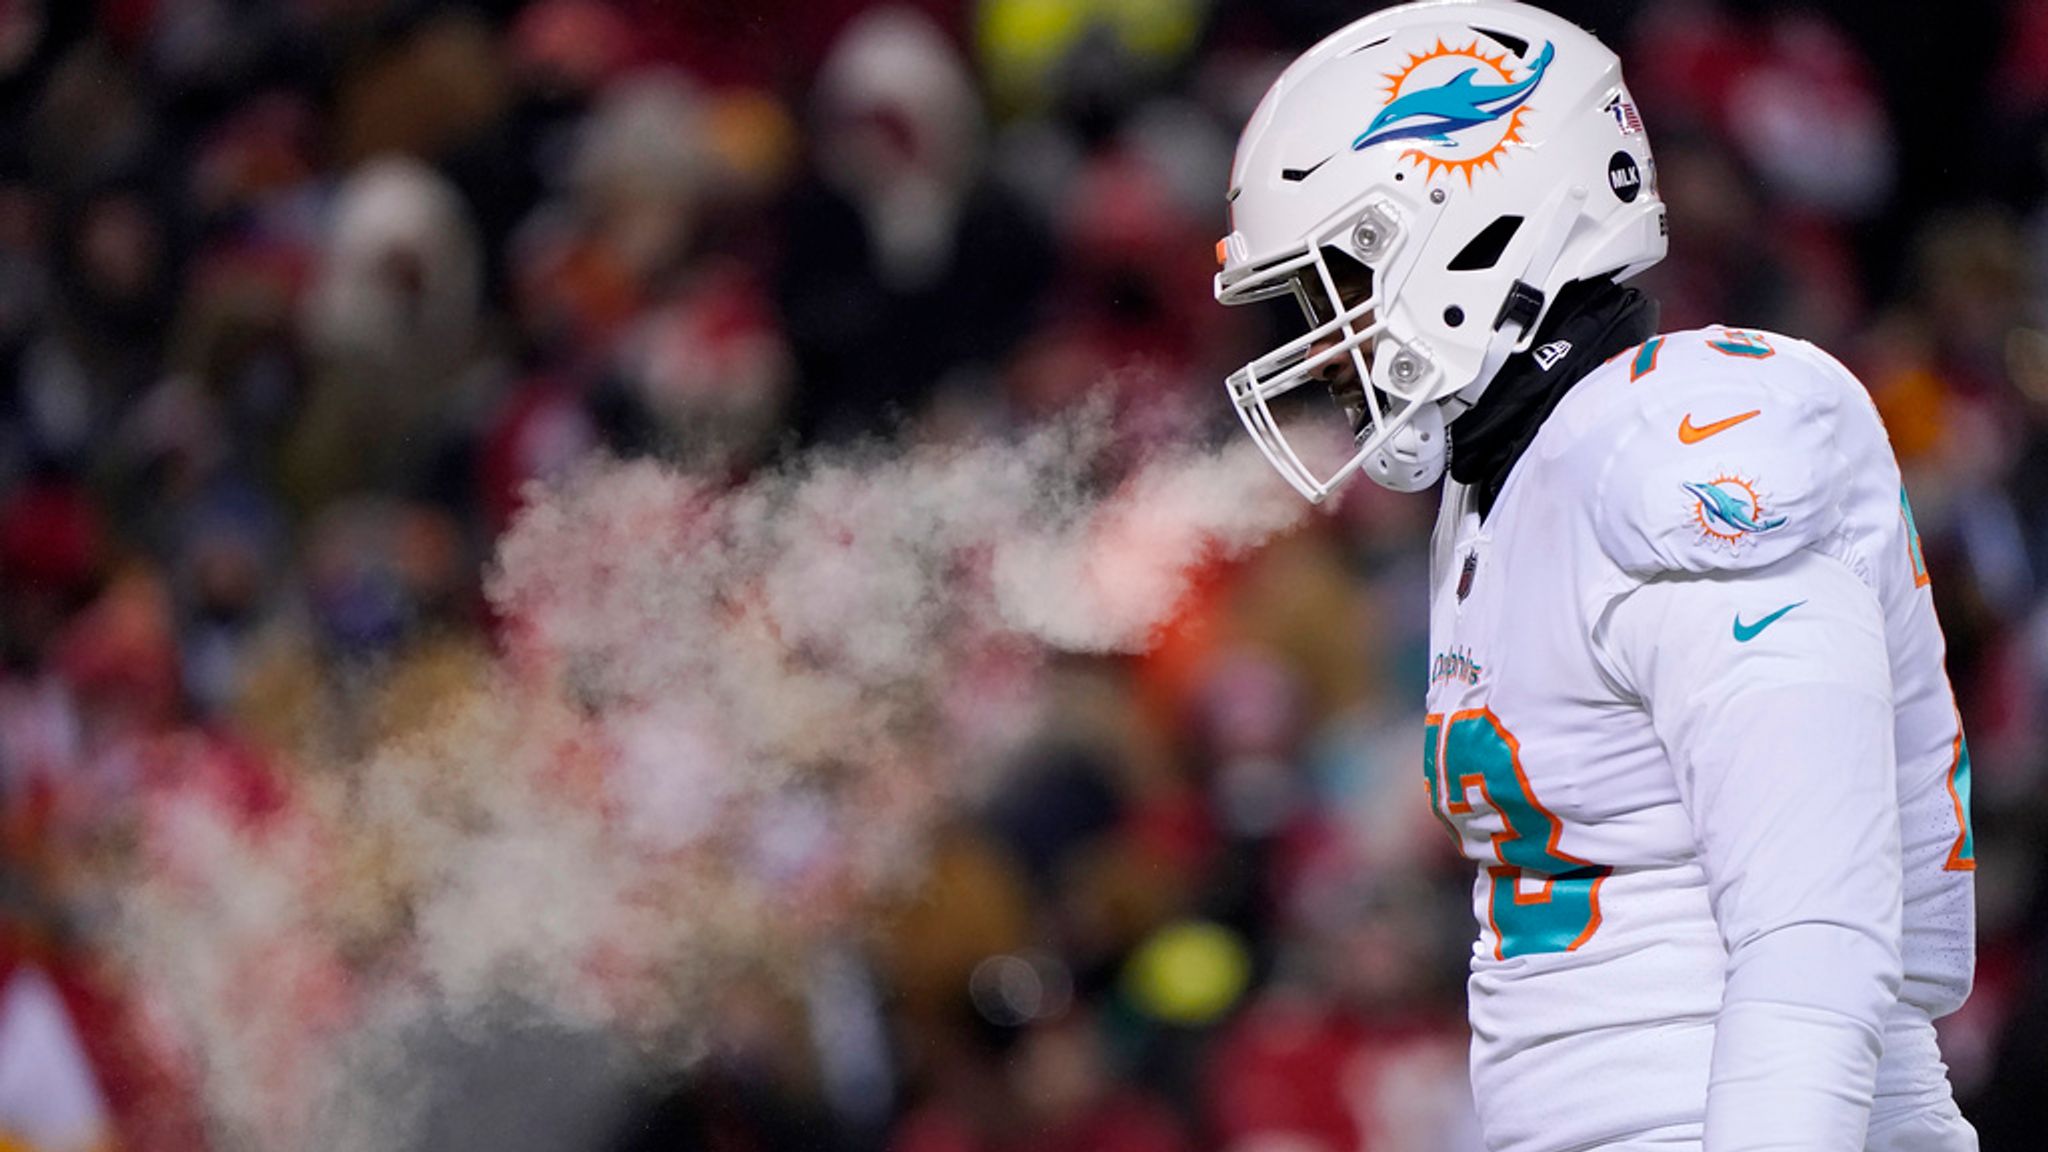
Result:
[[1625, 116]]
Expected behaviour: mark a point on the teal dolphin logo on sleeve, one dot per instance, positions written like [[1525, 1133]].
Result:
[[1729, 509]]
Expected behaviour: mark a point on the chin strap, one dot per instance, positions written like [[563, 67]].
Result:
[[1514, 327], [1415, 455]]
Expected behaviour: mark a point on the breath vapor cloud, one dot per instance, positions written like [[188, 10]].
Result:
[[721, 721]]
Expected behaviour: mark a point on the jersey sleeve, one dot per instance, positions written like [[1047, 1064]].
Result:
[[1728, 465], [1771, 692]]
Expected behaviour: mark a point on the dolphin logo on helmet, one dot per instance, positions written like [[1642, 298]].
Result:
[[1455, 88], [1453, 106]]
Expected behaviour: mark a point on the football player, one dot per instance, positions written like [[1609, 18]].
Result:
[[1687, 710]]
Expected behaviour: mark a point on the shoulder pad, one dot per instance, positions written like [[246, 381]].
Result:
[[1722, 458]]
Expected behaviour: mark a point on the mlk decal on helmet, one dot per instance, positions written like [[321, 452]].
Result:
[[1425, 182], [1462, 107]]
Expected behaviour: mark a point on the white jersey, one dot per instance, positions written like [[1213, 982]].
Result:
[[1688, 713]]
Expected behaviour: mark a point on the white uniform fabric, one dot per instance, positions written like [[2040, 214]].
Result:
[[1688, 712]]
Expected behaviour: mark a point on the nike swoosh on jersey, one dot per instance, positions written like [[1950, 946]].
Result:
[[1690, 433], [1744, 633]]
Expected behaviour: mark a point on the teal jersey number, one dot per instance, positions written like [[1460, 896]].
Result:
[[1962, 857], [1540, 899], [1747, 345], [1913, 550]]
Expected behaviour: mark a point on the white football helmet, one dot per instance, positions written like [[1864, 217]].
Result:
[[1475, 156]]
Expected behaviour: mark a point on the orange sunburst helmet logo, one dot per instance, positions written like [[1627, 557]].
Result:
[[1459, 108]]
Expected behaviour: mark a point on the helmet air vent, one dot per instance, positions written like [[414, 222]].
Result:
[[1515, 44], [1484, 250], [1297, 175]]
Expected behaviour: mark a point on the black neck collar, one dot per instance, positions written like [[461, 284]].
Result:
[[1590, 322]]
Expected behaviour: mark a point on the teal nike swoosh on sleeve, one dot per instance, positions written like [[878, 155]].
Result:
[[1744, 633]]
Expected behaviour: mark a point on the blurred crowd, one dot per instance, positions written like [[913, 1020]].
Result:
[[297, 297]]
